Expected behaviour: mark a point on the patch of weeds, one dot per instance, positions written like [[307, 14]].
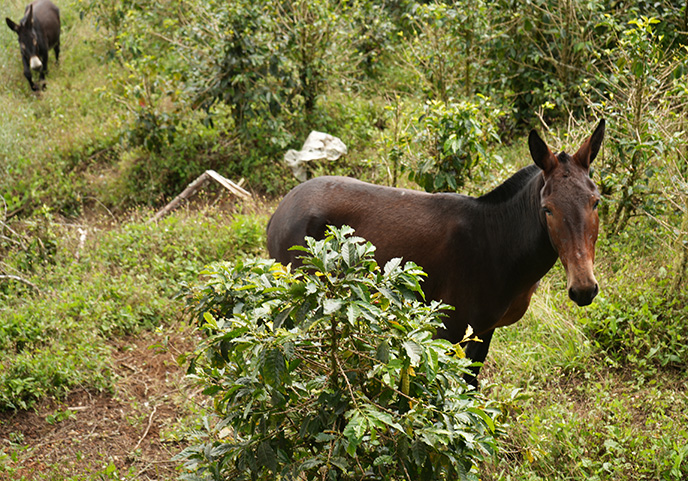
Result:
[[640, 322], [59, 416], [123, 281], [598, 430]]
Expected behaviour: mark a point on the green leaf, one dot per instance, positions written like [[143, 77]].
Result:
[[350, 254], [392, 265], [354, 431], [413, 351], [266, 457], [331, 306], [382, 352], [383, 460], [385, 418], [210, 320], [352, 313], [324, 437], [483, 415], [279, 318], [273, 366]]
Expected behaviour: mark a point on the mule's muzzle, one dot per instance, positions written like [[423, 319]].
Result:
[[584, 296], [35, 63]]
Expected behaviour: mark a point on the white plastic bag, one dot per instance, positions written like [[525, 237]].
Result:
[[318, 146]]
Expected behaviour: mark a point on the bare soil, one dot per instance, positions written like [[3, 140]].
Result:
[[128, 434]]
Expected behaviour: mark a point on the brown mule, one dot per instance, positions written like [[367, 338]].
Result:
[[485, 255]]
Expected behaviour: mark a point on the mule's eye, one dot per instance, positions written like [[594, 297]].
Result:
[[547, 211], [597, 203]]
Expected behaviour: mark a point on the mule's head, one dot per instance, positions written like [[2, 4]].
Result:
[[569, 200], [28, 39]]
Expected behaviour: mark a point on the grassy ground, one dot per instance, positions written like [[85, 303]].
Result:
[[89, 383], [573, 412], [99, 341]]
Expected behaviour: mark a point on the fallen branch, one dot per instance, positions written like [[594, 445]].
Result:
[[150, 422], [195, 186], [19, 279]]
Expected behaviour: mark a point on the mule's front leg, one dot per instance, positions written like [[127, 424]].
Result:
[[29, 76], [477, 352]]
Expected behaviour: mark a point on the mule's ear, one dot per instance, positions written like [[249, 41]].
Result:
[[28, 18], [542, 156], [596, 140], [591, 147], [13, 26]]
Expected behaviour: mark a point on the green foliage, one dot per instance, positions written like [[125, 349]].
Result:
[[641, 325], [597, 430], [331, 371], [53, 334], [268, 61], [35, 245], [444, 50], [643, 91], [541, 52], [455, 138]]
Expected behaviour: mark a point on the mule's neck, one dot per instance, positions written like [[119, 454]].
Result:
[[523, 247]]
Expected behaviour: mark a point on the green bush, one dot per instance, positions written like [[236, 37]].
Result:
[[640, 328], [638, 322], [331, 371], [445, 47], [454, 137], [641, 92]]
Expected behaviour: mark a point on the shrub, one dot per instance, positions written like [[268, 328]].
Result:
[[445, 49], [643, 330], [642, 94], [454, 137], [331, 371]]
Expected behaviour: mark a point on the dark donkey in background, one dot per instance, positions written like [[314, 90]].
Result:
[[38, 32], [485, 255]]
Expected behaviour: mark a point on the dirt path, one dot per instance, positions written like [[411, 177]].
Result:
[[128, 434]]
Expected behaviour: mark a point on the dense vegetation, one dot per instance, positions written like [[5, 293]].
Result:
[[428, 94]]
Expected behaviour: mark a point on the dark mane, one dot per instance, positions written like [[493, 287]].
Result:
[[511, 186]]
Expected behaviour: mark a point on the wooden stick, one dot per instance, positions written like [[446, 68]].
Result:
[[229, 185], [150, 422], [19, 279], [194, 186], [188, 192]]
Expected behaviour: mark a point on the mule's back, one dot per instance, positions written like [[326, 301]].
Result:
[[399, 222], [48, 16]]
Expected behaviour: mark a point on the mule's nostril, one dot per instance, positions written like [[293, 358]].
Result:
[[584, 297]]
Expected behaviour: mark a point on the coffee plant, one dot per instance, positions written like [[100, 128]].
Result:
[[331, 371]]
